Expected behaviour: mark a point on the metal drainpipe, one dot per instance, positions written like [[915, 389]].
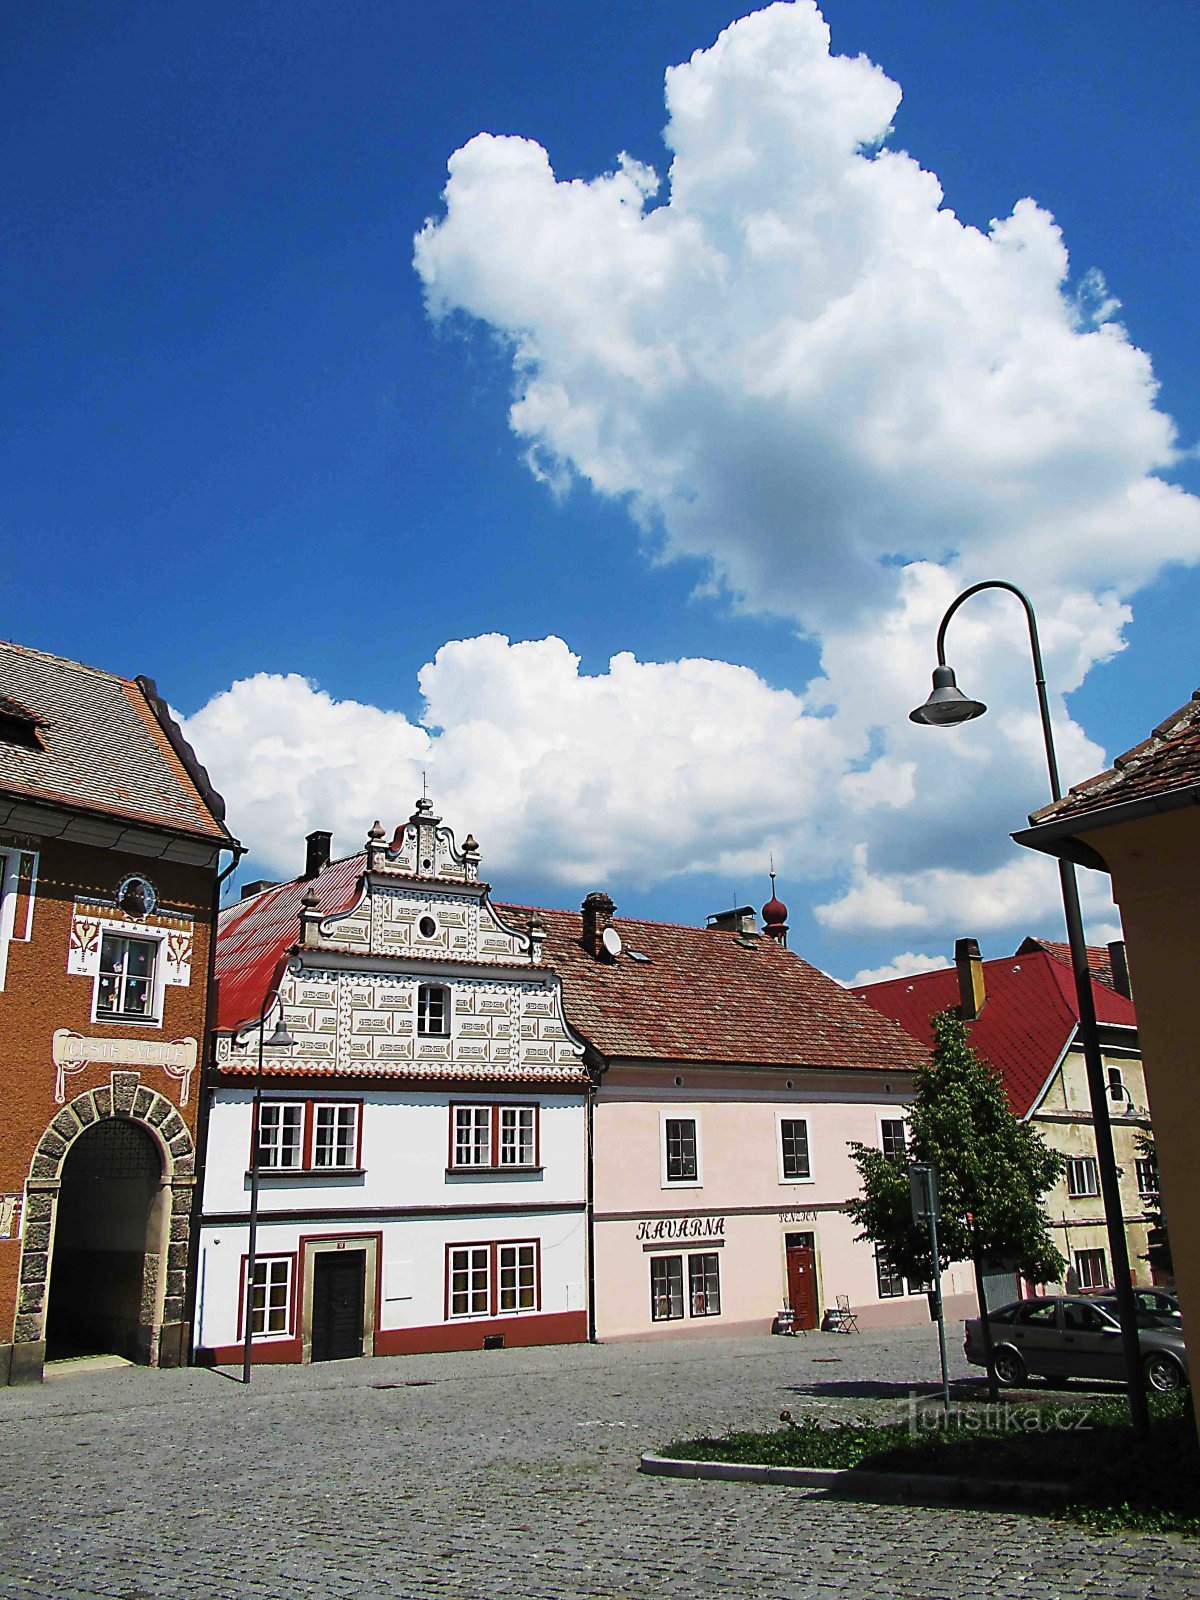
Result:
[[598, 1069], [203, 1107]]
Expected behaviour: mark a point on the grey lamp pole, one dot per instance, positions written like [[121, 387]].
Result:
[[281, 1036], [946, 706]]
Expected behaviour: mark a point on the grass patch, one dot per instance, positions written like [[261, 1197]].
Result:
[[1152, 1484]]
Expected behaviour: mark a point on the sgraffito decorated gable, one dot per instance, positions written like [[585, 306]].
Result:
[[416, 975]]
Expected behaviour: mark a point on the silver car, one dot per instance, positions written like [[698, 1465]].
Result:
[[1070, 1336]]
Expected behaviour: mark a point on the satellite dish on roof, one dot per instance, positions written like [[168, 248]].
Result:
[[611, 940]]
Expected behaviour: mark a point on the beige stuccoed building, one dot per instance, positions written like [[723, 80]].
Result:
[[1139, 821], [1021, 1015]]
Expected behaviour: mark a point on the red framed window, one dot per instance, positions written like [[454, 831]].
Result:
[[492, 1138], [500, 1278], [309, 1136]]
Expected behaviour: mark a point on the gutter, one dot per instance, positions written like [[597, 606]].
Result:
[[1060, 836]]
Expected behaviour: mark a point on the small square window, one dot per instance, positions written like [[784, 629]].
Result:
[[1083, 1176], [893, 1136], [1091, 1267]]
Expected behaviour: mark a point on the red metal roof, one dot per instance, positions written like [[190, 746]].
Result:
[[703, 995], [1029, 1015], [254, 933], [1099, 959], [706, 994], [1169, 759]]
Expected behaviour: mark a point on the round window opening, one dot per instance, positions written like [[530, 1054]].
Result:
[[427, 927], [137, 896]]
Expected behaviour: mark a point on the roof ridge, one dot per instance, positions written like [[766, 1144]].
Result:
[[67, 661]]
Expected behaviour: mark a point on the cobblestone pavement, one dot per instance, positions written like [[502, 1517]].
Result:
[[503, 1474]]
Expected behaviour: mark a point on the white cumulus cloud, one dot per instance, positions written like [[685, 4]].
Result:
[[797, 366]]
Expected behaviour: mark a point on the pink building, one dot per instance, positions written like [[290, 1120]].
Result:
[[732, 1077]]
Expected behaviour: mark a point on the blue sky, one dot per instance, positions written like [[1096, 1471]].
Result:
[[237, 443]]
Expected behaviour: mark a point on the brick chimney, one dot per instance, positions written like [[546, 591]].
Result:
[[598, 911], [971, 994], [1120, 968], [319, 846]]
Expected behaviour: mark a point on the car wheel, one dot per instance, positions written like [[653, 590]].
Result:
[[1009, 1368], [1164, 1374]]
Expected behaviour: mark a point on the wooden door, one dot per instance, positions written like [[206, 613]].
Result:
[[802, 1280], [339, 1279]]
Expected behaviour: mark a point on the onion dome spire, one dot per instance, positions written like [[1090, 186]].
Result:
[[774, 915]]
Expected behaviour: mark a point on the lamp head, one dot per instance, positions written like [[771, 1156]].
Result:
[[281, 1036], [947, 704]]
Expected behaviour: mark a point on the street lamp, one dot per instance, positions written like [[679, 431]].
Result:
[[945, 707], [280, 1037]]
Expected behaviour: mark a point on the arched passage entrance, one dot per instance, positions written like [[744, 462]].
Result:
[[162, 1334], [108, 1227]]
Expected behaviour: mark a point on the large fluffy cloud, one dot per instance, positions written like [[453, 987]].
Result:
[[795, 363]]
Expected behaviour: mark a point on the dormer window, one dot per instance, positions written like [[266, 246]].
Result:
[[18, 725], [433, 1011]]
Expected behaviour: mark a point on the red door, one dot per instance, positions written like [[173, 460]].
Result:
[[802, 1280]]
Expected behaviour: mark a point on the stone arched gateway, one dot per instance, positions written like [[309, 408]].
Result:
[[161, 1338]]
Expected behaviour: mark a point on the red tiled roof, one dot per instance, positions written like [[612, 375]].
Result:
[[703, 995], [1169, 759], [1023, 1028], [101, 747], [1099, 959], [707, 995]]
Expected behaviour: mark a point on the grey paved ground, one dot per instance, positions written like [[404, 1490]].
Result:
[[506, 1474]]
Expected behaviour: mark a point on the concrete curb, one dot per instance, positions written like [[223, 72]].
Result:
[[850, 1483]]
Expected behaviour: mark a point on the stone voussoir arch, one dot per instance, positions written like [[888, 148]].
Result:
[[126, 1098]]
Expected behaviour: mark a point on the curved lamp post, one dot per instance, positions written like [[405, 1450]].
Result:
[[946, 706], [280, 1037]]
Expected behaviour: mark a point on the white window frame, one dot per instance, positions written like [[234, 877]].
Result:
[[269, 1267], [472, 1252], [496, 1120], [130, 933], [1085, 1272], [1147, 1166], [445, 1030], [1090, 1168], [695, 1257], [780, 1118], [527, 1274], [10, 887], [479, 1117], [340, 1109], [679, 1183], [296, 1107]]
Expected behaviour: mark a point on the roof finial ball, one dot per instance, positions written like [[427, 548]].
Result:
[[774, 915]]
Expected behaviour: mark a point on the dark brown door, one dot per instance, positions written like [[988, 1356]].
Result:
[[802, 1280], [339, 1278]]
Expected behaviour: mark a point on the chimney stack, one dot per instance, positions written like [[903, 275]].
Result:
[[319, 845], [971, 994], [598, 911], [1120, 968]]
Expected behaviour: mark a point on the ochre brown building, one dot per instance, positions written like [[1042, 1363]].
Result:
[[110, 847]]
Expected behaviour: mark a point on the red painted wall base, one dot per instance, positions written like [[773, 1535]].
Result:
[[553, 1327]]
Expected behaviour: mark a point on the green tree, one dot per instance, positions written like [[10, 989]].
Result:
[[1158, 1240], [993, 1171]]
